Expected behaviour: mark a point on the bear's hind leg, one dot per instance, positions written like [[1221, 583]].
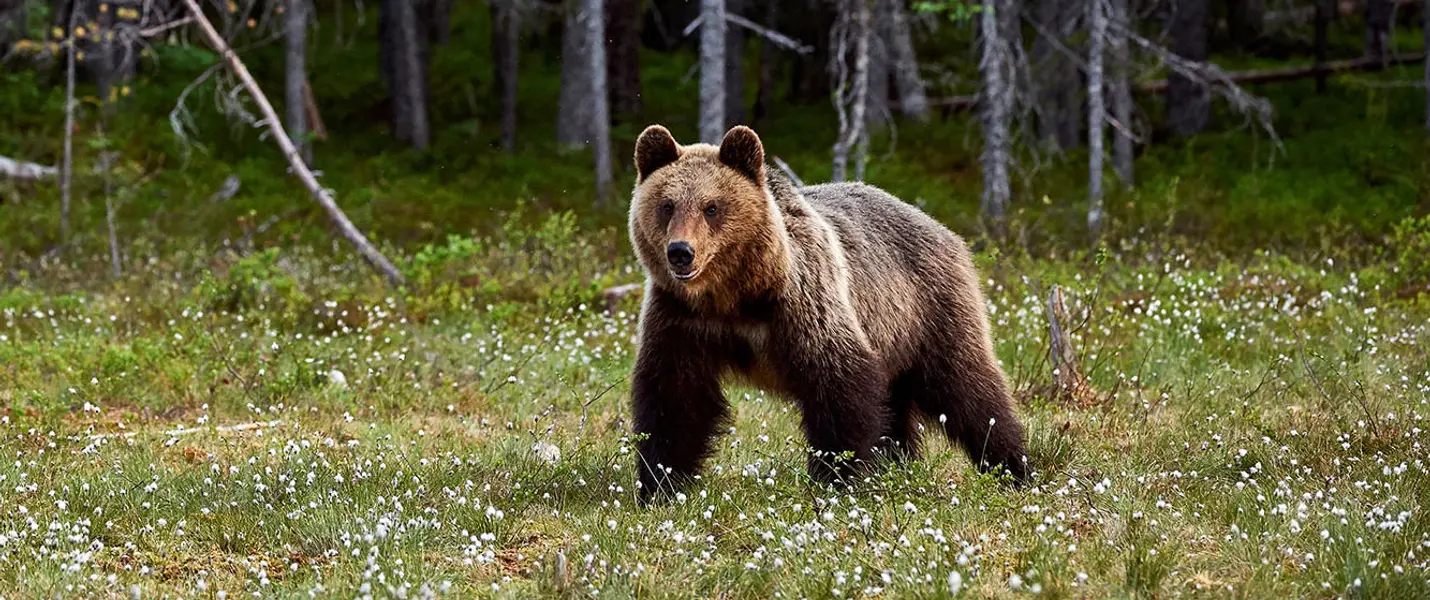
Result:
[[843, 396], [965, 391]]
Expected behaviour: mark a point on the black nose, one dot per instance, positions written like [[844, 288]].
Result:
[[680, 254]]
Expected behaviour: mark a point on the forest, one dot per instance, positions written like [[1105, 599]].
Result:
[[337, 298]]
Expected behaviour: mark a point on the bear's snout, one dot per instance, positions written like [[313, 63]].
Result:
[[681, 256]]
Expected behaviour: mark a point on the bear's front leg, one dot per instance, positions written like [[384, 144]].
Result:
[[842, 391], [677, 404]]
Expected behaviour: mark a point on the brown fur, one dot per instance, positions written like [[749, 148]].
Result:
[[861, 308]]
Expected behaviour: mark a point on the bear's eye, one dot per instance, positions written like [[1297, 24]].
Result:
[[711, 210], [667, 208]]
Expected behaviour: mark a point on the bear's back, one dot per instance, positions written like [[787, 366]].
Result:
[[904, 267]]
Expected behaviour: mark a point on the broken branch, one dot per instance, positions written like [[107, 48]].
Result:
[[290, 152]]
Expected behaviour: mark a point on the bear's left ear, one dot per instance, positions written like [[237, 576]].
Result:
[[655, 148], [741, 150]]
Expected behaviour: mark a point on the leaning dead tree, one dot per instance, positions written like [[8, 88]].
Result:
[[290, 152]]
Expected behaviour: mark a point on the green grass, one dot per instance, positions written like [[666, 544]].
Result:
[[1259, 430]]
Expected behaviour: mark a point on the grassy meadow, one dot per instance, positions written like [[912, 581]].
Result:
[[246, 411]]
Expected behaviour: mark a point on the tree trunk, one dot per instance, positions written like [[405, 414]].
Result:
[[1245, 21], [735, 67], [852, 89], [809, 75], [765, 95], [594, 15], [1188, 102], [995, 67], [712, 71], [1377, 27], [405, 63], [1121, 92], [270, 119], [295, 26], [574, 119], [1059, 86], [1096, 119], [623, 72], [913, 100], [1323, 18], [876, 109], [506, 48], [67, 167]]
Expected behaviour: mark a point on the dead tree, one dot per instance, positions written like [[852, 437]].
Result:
[[573, 118], [764, 95], [1188, 101], [1378, 14], [506, 49], [623, 66], [67, 167], [1096, 115], [712, 71], [913, 100], [295, 26], [1121, 95], [997, 71], [290, 152], [593, 14], [851, 89], [405, 68], [735, 66], [1057, 81]]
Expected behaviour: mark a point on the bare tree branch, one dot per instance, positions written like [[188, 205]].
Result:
[[324, 198], [25, 171]]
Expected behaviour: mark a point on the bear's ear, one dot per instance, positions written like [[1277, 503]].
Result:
[[741, 150], [655, 148]]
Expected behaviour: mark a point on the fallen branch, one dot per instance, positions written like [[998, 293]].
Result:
[[1365, 64], [227, 191], [25, 171], [163, 27], [613, 296], [784, 166], [295, 161], [779, 39], [188, 430]]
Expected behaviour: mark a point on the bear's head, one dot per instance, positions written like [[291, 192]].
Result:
[[703, 221]]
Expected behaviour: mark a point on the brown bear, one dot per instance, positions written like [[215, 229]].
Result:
[[860, 308]]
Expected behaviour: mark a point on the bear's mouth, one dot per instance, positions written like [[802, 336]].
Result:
[[686, 276]]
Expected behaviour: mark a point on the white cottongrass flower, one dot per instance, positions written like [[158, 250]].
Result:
[[337, 379], [955, 583], [548, 452]]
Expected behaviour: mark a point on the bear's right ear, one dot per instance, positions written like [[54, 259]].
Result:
[[655, 148], [741, 150]]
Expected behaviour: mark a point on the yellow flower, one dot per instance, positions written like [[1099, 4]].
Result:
[[113, 94], [124, 91], [79, 31], [58, 33], [103, 8], [232, 7], [252, 23], [79, 55]]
